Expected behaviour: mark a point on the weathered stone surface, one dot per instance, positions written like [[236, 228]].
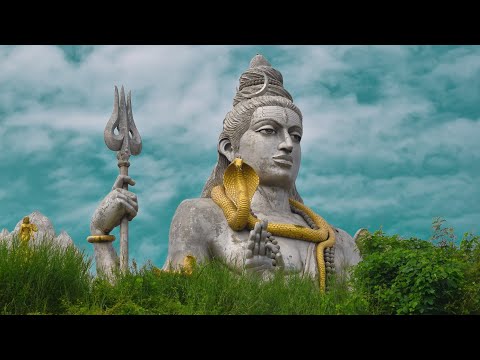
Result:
[[5, 235], [346, 251], [64, 239], [46, 231]]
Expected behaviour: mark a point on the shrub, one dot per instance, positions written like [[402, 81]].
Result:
[[413, 276]]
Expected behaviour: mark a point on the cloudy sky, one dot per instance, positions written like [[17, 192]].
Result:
[[391, 133]]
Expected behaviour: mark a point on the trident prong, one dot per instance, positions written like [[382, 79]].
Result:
[[127, 142]]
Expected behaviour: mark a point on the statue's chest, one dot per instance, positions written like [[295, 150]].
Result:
[[296, 253]]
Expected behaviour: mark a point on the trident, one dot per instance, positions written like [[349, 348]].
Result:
[[127, 142]]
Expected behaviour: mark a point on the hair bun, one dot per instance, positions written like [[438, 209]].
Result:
[[259, 60], [259, 73]]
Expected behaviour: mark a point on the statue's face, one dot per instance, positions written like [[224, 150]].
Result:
[[271, 145]]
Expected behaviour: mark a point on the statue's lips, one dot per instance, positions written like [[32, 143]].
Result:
[[283, 160]]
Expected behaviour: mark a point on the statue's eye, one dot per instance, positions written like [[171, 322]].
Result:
[[296, 137], [267, 131]]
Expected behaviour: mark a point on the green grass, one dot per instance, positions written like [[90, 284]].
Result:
[[46, 279], [396, 276], [214, 290], [41, 278]]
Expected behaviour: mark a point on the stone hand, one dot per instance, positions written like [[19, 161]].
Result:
[[116, 205], [263, 252]]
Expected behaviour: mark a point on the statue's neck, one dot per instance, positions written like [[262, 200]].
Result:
[[270, 199]]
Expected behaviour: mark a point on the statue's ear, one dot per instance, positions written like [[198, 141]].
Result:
[[225, 147]]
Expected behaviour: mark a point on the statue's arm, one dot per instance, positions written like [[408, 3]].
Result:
[[191, 230], [106, 257], [116, 205]]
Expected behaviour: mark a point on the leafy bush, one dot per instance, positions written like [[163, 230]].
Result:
[[413, 276], [468, 300]]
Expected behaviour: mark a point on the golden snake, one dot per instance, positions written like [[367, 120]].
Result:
[[234, 198]]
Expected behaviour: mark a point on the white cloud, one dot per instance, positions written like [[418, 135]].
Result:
[[459, 68], [28, 141], [173, 87], [74, 212], [306, 64], [410, 201], [21, 185]]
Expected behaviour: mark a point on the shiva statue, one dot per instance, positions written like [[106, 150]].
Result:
[[250, 214]]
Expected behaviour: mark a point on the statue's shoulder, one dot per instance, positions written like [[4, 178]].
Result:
[[196, 223], [342, 234], [201, 215], [198, 207]]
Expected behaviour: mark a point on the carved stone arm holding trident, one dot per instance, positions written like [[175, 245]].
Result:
[[119, 206]]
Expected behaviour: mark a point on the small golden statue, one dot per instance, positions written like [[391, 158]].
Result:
[[189, 263], [27, 230]]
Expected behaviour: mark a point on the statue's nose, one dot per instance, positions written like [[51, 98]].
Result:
[[287, 143]]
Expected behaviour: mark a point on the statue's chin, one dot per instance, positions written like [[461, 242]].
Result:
[[285, 180]]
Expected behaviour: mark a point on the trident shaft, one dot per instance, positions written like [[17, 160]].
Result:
[[127, 142]]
